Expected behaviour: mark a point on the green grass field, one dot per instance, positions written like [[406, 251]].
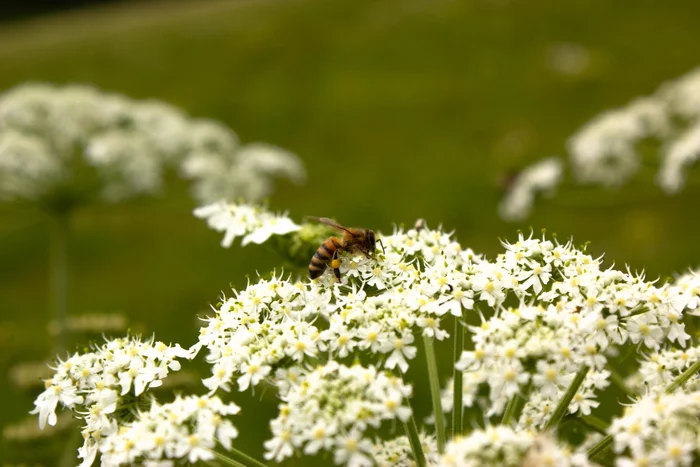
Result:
[[400, 109]]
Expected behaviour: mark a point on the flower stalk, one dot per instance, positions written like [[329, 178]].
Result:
[[414, 439], [457, 378], [684, 377], [59, 276], [563, 405], [515, 406], [435, 392]]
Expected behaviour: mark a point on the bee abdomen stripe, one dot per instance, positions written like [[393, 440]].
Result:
[[321, 256], [317, 262], [328, 250]]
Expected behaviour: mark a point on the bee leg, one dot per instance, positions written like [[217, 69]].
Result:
[[335, 264]]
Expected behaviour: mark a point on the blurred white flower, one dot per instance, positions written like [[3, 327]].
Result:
[[52, 139], [604, 151], [659, 429], [542, 176], [503, 447]]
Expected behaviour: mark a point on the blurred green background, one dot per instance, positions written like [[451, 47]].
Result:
[[400, 109]]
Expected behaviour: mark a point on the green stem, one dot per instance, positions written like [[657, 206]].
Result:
[[244, 458], [594, 423], [435, 392], [599, 447], [414, 439], [227, 460], [563, 405], [457, 378], [515, 406], [58, 264], [684, 377], [619, 381]]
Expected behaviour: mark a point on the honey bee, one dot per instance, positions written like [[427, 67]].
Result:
[[353, 240]]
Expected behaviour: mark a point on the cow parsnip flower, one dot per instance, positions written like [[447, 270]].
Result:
[[659, 429], [660, 369], [542, 176], [397, 452], [187, 429], [253, 223], [605, 150], [100, 386], [331, 407], [54, 137], [504, 447]]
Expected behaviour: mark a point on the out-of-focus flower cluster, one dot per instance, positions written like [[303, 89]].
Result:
[[331, 407], [186, 429], [503, 447], [542, 176], [605, 150], [660, 369], [102, 387], [397, 452], [51, 136], [659, 429]]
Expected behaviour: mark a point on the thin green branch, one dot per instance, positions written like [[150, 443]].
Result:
[[414, 439], [599, 447], [435, 392], [563, 405], [457, 378], [58, 277], [515, 406], [684, 377], [619, 381], [594, 423], [227, 460]]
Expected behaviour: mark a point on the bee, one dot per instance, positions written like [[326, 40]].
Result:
[[353, 240]]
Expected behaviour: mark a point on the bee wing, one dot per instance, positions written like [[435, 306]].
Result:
[[327, 221]]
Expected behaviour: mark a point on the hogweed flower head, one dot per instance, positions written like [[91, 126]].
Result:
[[660, 369], [605, 150], [504, 447], [186, 429], [52, 136], [101, 386], [397, 452], [659, 429], [542, 176], [331, 407]]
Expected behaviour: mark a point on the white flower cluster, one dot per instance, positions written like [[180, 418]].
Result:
[[50, 134], [687, 292], [604, 151], [186, 429], [541, 176], [397, 452], [253, 223], [501, 446], [552, 310], [331, 407], [571, 313], [659, 429], [660, 369], [375, 308], [99, 386]]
